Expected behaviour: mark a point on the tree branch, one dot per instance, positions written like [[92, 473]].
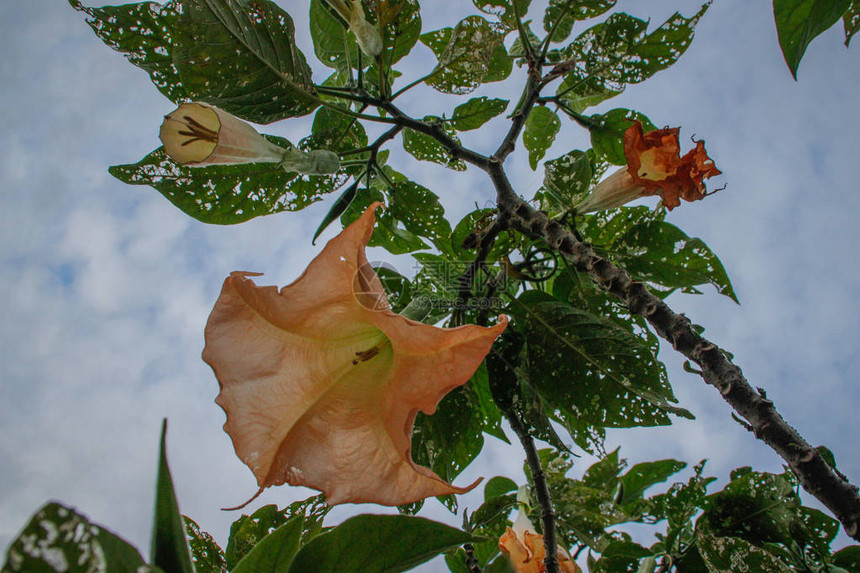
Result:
[[816, 476], [547, 515]]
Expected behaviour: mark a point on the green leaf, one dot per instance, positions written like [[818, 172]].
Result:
[[227, 194], [498, 486], [541, 128], [377, 543], [425, 148], [450, 439], [464, 54], [607, 140], [567, 179], [618, 51], [563, 14], [337, 209], [851, 21], [592, 372], [332, 45], [657, 252], [735, 554], [644, 475], [401, 29], [336, 132], [241, 56], [389, 233], [504, 10], [417, 208], [142, 32], [798, 22], [476, 112], [275, 552], [170, 549], [848, 558], [620, 557], [249, 530], [206, 555], [58, 538]]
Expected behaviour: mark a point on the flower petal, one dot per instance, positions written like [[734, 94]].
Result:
[[321, 381]]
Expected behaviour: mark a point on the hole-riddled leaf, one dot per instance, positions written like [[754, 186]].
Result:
[[206, 555], [143, 33], [241, 56], [851, 21], [505, 10], [476, 112], [592, 372], [561, 15], [655, 251], [798, 22], [426, 148], [541, 128], [614, 53], [607, 139], [226, 194], [58, 538], [464, 54], [567, 179]]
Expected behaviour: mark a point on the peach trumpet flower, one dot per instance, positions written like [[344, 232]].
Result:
[[321, 382], [199, 134], [525, 549], [654, 167]]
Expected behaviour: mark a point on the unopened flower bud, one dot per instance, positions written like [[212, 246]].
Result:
[[199, 134], [316, 162]]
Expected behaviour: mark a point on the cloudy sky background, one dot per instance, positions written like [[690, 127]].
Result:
[[107, 287]]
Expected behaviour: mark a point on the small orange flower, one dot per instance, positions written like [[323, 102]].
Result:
[[654, 167], [524, 547]]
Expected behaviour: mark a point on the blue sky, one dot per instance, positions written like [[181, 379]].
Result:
[[107, 286]]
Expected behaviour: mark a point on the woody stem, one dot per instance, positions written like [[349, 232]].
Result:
[[547, 515]]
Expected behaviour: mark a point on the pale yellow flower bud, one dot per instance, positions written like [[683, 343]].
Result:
[[199, 134]]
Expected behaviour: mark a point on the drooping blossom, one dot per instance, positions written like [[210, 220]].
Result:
[[366, 34], [198, 134], [525, 548], [654, 167], [321, 381]]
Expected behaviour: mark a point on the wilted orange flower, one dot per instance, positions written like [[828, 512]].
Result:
[[654, 167], [321, 381], [199, 134], [525, 548]]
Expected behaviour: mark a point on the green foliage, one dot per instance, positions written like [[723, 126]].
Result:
[[655, 251], [506, 11], [143, 33], [561, 15], [618, 51], [58, 538], [275, 552], [798, 22], [591, 372], [227, 194], [476, 112], [250, 530], [206, 555], [170, 549], [851, 21], [425, 148], [467, 54], [541, 128], [568, 179], [377, 543], [607, 136]]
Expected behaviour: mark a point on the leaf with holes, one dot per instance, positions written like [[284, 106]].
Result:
[[58, 538], [590, 371], [567, 179], [851, 21], [425, 148], [607, 138], [541, 128], [241, 56], [464, 54], [618, 51], [143, 32], [561, 15], [227, 194], [206, 555]]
